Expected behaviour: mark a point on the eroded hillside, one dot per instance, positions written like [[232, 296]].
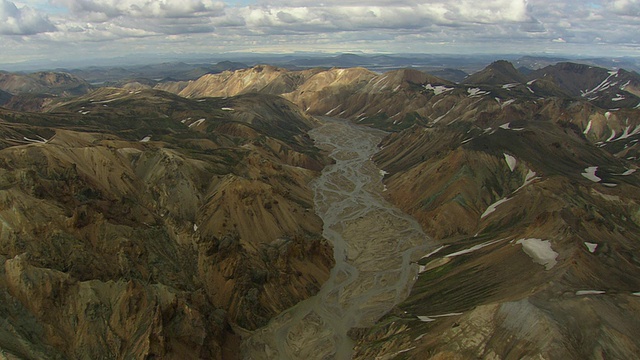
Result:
[[535, 202], [193, 214], [140, 224]]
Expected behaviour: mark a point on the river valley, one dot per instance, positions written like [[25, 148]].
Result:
[[375, 249]]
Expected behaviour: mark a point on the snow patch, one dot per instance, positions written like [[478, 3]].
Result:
[[613, 135], [438, 89], [106, 101], [586, 131], [590, 292], [493, 207], [507, 103], [531, 177], [227, 109], [540, 251], [446, 315], [511, 161], [197, 123], [472, 249], [434, 317], [332, 110], [401, 352], [604, 85], [476, 92], [590, 173], [433, 252], [146, 139], [627, 133], [42, 141], [628, 172], [195, 227], [591, 246], [425, 319]]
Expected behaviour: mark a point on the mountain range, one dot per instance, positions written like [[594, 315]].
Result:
[[173, 219]]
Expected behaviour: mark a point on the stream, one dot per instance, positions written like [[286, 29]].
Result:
[[375, 248]]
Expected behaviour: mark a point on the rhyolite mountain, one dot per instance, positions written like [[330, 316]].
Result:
[[45, 82], [169, 225], [142, 224], [178, 71]]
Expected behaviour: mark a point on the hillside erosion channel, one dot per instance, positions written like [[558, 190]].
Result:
[[375, 248]]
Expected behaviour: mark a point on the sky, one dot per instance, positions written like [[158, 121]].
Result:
[[71, 30]]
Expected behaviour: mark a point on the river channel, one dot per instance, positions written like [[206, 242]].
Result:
[[375, 247]]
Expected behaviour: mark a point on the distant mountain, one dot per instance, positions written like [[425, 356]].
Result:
[[397, 98], [262, 79], [538, 62], [607, 88], [176, 71], [53, 83], [497, 73], [453, 75]]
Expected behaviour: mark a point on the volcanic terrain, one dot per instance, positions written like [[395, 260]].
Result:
[[177, 222]]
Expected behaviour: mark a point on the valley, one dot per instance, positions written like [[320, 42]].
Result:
[[322, 213], [375, 248]]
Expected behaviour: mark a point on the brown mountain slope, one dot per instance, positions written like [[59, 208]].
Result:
[[53, 83], [539, 225], [129, 210], [498, 73], [398, 99], [609, 89], [263, 79]]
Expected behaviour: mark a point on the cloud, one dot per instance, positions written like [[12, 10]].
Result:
[[114, 26], [22, 21], [108, 9], [626, 7]]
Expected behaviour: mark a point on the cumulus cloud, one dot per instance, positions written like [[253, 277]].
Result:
[[22, 21], [145, 9], [626, 7], [333, 25], [351, 15]]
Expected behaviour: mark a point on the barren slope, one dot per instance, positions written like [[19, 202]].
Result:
[[165, 220], [537, 211]]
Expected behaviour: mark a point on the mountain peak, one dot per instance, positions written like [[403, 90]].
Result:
[[500, 72]]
